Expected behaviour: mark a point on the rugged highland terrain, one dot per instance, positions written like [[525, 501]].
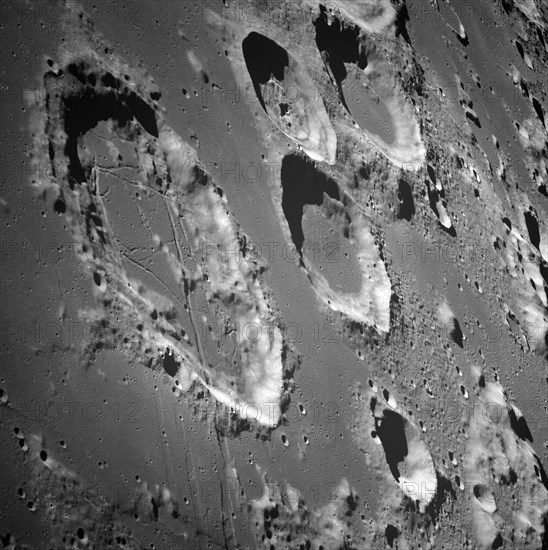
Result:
[[274, 274]]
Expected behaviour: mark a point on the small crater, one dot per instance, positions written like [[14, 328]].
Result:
[[170, 364], [407, 204]]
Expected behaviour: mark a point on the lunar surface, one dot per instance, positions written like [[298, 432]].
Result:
[[274, 274]]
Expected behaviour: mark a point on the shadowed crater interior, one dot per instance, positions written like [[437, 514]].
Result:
[[264, 58], [85, 99], [341, 44], [302, 184], [519, 425], [391, 431], [391, 534], [170, 364], [407, 204], [532, 228]]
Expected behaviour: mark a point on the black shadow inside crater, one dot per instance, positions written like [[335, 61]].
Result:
[[407, 204], [391, 430], [345, 53], [341, 44], [263, 58], [170, 364], [302, 184], [86, 98]]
